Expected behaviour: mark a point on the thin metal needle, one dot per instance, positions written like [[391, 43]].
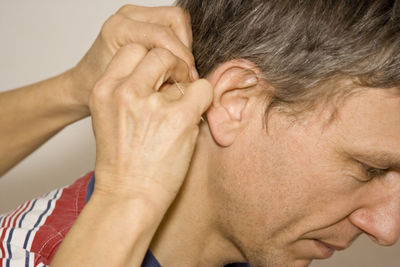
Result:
[[176, 83]]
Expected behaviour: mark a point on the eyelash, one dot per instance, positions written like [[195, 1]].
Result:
[[372, 172]]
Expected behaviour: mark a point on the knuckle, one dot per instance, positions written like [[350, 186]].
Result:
[[101, 85], [155, 102], [181, 15], [124, 95], [100, 91], [190, 58], [179, 12], [168, 39], [110, 25], [126, 9], [133, 49]]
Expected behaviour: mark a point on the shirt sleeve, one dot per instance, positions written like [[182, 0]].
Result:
[[19, 257], [31, 234]]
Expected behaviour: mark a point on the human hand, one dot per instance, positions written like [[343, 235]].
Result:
[[164, 27], [145, 129]]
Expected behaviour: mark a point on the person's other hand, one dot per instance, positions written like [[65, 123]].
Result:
[[145, 129], [163, 27]]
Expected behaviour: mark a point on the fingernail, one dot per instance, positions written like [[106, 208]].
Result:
[[195, 74]]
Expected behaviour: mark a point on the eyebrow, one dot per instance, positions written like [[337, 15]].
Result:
[[381, 158]]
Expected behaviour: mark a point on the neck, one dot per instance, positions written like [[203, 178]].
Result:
[[189, 234]]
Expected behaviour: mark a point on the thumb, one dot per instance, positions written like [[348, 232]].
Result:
[[199, 96]]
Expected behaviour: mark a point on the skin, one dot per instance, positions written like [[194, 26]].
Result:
[[134, 110], [271, 198], [144, 50], [314, 188], [46, 107], [249, 195], [140, 119]]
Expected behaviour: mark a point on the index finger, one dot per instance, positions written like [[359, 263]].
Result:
[[175, 17], [123, 30], [157, 67]]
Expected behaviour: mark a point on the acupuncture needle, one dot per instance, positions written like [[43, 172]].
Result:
[[175, 82]]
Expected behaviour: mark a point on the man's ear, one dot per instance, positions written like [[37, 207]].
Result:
[[234, 83]]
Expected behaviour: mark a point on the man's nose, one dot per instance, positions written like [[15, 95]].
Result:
[[380, 222]]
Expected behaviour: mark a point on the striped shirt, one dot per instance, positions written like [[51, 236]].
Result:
[[31, 234]]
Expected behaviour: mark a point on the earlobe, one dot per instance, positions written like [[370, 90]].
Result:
[[233, 84]]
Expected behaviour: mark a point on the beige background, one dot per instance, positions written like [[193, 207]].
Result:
[[45, 37]]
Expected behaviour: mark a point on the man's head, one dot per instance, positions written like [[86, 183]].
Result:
[[300, 45], [284, 183]]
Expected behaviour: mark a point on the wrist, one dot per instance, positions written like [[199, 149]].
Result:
[[75, 93], [151, 196], [127, 226], [151, 212]]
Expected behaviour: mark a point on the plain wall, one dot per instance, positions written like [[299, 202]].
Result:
[[43, 38]]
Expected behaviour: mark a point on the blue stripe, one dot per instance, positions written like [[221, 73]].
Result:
[[9, 241], [23, 216], [9, 247], [40, 218], [90, 188], [27, 259]]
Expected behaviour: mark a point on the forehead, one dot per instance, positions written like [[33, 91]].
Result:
[[370, 120]]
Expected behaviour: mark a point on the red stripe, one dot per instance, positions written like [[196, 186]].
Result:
[[5, 228], [3, 224], [14, 224], [3, 253], [66, 210], [3, 233], [4, 219]]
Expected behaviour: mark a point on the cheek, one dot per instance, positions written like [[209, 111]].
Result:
[[272, 191], [286, 186], [311, 188], [255, 183]]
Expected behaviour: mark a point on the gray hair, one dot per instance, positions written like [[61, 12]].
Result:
[[300, 45]]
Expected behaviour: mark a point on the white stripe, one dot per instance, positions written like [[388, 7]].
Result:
[[40, 207], [20, 261], [9, 228], [10, 216], [2, 217], [32, 217], [19, 234], [23, 213], [28, 219], [17, 211], [31, 260]]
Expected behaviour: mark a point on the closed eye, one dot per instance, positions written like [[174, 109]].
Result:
[[371, 172]]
